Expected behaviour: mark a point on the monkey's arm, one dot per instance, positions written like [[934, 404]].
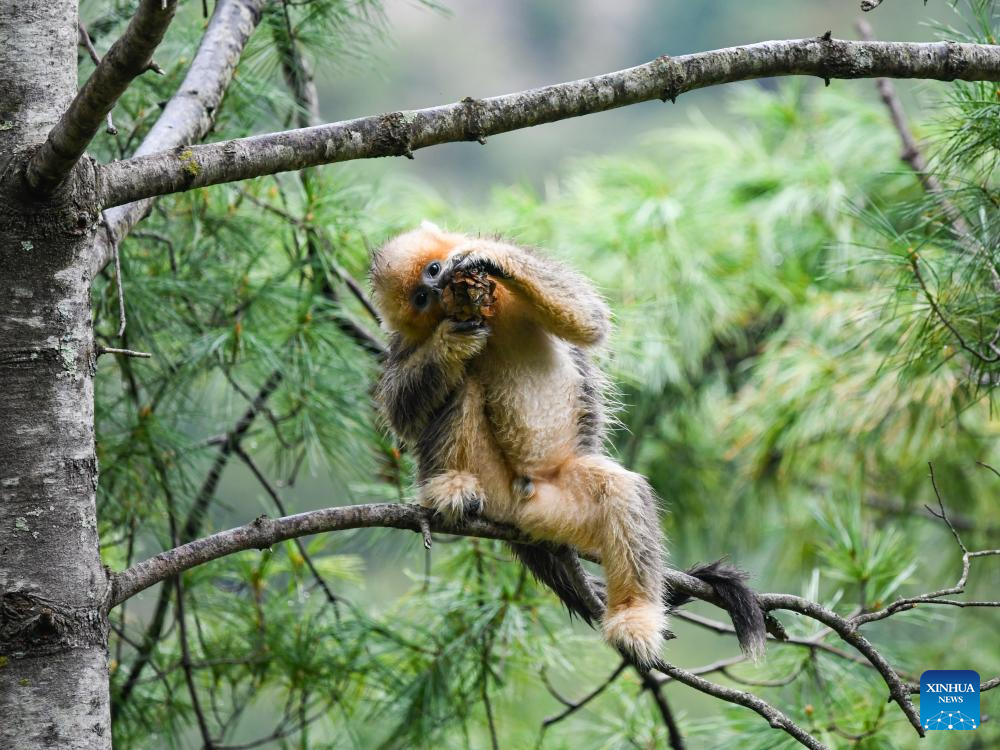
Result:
[[418, 382], [565, 303]]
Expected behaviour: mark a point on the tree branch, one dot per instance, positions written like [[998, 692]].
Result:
[[675, 739], [774, 717], [911, 153], [402, 133], [190, 113], [935, 597], [574, 706], [128, 58], [264, 532]]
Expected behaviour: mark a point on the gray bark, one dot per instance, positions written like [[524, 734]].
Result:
[[265, 532], [189, 114], [402, 133], [128, 57], [53, 633]]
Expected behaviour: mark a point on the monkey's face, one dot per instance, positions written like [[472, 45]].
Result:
[[406, 278]]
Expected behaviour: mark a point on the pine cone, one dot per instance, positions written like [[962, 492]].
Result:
[[469, 296]]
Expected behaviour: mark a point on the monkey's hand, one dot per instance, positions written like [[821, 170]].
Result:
[[564, 303], [453, 494], [459, 341], [494, 260]]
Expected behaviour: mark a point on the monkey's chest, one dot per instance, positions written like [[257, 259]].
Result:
[[533, 411]]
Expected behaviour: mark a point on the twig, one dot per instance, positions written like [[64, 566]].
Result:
[[674, 737], [488, 708], [913, 156], [87, 43], [915, 265], [779, 682], [773, 716], [280, 505], [355, 288], [206, 736], [574, 706], [164, 239], [425, 532], [935, 597], [123, 352], [118, 275], [814, 643]]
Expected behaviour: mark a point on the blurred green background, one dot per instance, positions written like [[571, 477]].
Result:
[[782, 380], [482, 48]]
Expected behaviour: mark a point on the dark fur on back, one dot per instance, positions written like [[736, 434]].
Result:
[[437, 432], [410, 397]]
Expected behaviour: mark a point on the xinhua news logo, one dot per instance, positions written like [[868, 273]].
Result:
[[949, 699]]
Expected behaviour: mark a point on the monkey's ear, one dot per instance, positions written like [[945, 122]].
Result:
[[430, 226]]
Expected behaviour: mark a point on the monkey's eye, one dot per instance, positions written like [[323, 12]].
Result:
[[420, 299], [433, 269]]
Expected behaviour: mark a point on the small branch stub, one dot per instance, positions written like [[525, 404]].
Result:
[[123, 352]]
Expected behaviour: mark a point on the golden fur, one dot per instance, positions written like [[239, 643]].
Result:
[[519, 424]]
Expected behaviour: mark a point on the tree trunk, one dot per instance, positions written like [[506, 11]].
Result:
[[53, 589]]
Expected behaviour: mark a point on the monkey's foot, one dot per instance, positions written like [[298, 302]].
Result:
[[454, 494]]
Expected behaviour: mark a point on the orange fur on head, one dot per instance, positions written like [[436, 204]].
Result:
[[396, 272]]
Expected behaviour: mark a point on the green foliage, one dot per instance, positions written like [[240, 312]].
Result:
[[783, 375]]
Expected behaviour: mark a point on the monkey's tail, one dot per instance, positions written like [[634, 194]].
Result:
[[550, 568], [730, 584], [728, 581]]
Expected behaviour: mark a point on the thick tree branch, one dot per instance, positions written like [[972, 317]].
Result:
[[402, 133], [190, 113], [265, 532], [128, 57]]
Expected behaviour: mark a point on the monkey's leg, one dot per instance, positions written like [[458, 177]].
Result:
[[453, 494], [594, 504]]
